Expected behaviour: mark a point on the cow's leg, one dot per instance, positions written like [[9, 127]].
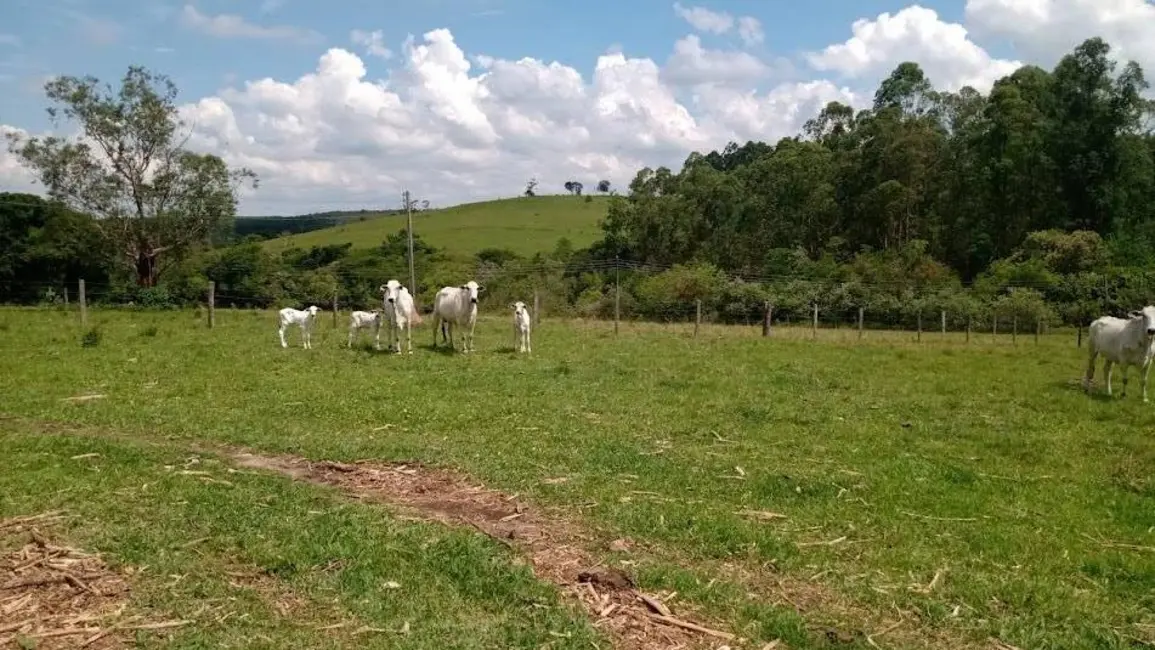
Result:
[[471, 326], [436, 326], [1126, 368], [1090, 374], [528, 342], [1108, 369], [377, 337], [1143, 382], [281, 333]]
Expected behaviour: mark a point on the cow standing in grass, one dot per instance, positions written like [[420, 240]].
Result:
[[302, 318], [457, 306], [400, 313], [521, 327], [360, 320], [1124, 341]]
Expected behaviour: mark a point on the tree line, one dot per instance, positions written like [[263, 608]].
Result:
[[1036, 199]]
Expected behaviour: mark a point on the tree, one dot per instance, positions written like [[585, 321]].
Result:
[[152, 199], [603, 186], [529, 187], [573, 187]]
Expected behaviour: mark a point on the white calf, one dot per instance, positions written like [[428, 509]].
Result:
[[360, 320], [521, 327], [400, 313], [302, 318], [1123, 341], [457, 306]]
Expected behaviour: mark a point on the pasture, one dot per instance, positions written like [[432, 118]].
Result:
[[821, 494], [525, 225]]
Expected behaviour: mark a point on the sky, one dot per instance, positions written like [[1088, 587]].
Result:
[[344, 104]]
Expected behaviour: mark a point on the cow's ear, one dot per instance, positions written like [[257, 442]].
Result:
[[1135, 314]]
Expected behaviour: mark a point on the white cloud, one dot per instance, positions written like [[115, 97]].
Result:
[[704, 20], [11, 40], [1045, 30], [450, 129], [750, 29], [944, 50], [692, 65], [235, 26], [452, 126], [373, 42]]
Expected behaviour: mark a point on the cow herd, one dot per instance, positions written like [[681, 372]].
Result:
[[1124, 342], [453, 308]]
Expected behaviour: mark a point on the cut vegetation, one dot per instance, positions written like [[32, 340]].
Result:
[[525, 225]]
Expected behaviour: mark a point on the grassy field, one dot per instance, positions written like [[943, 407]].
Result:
[[936, 495], [524, 225]]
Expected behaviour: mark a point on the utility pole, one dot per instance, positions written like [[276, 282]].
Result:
[[409, 230]]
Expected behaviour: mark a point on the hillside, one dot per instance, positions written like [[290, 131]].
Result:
[[524, 225], [275, 226]]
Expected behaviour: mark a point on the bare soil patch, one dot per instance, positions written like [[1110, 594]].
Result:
[[556, 548], [55, 596]]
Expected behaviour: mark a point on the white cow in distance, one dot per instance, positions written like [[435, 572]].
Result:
[[400, 314], [521, 327], [301, 318], [360, 320], [1123, 341], [457, 306]]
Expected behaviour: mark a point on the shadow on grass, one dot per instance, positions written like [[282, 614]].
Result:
[[1098, 390]]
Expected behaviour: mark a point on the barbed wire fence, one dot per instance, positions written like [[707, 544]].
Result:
[[772, 315]]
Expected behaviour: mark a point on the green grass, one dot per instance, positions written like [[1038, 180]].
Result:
[[523, 225], [981, 462]]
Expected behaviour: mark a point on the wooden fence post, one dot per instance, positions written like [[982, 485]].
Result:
[[1038, 329], [814, 326], [768, 319], [66, 296], [536, 308], [212, 304], [1080, 341], [334, 311], [918, 336], [860, 310], [83, 304], [943, 323], [617, 305], [1014, 329], [995, 327], [969, 321], [697, 318]]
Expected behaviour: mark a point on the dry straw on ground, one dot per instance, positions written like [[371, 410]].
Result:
[[54, 596]]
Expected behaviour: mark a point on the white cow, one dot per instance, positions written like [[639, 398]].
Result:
[[457, 306], [521, 327], [302, 318], [360, 320], [400, 314], [1123, 341]]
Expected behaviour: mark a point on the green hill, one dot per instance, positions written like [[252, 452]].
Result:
[[525, 225]]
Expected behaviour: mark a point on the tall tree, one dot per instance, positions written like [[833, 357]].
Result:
[[152, 198]]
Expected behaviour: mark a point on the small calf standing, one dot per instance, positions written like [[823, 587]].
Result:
[[1123, 341], [303, 319], [521, 327], [360, 320]]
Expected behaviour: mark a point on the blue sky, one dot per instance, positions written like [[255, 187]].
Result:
[[340, 124], [103, 38]]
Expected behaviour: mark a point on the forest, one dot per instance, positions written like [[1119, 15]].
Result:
[[1035, 199]]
